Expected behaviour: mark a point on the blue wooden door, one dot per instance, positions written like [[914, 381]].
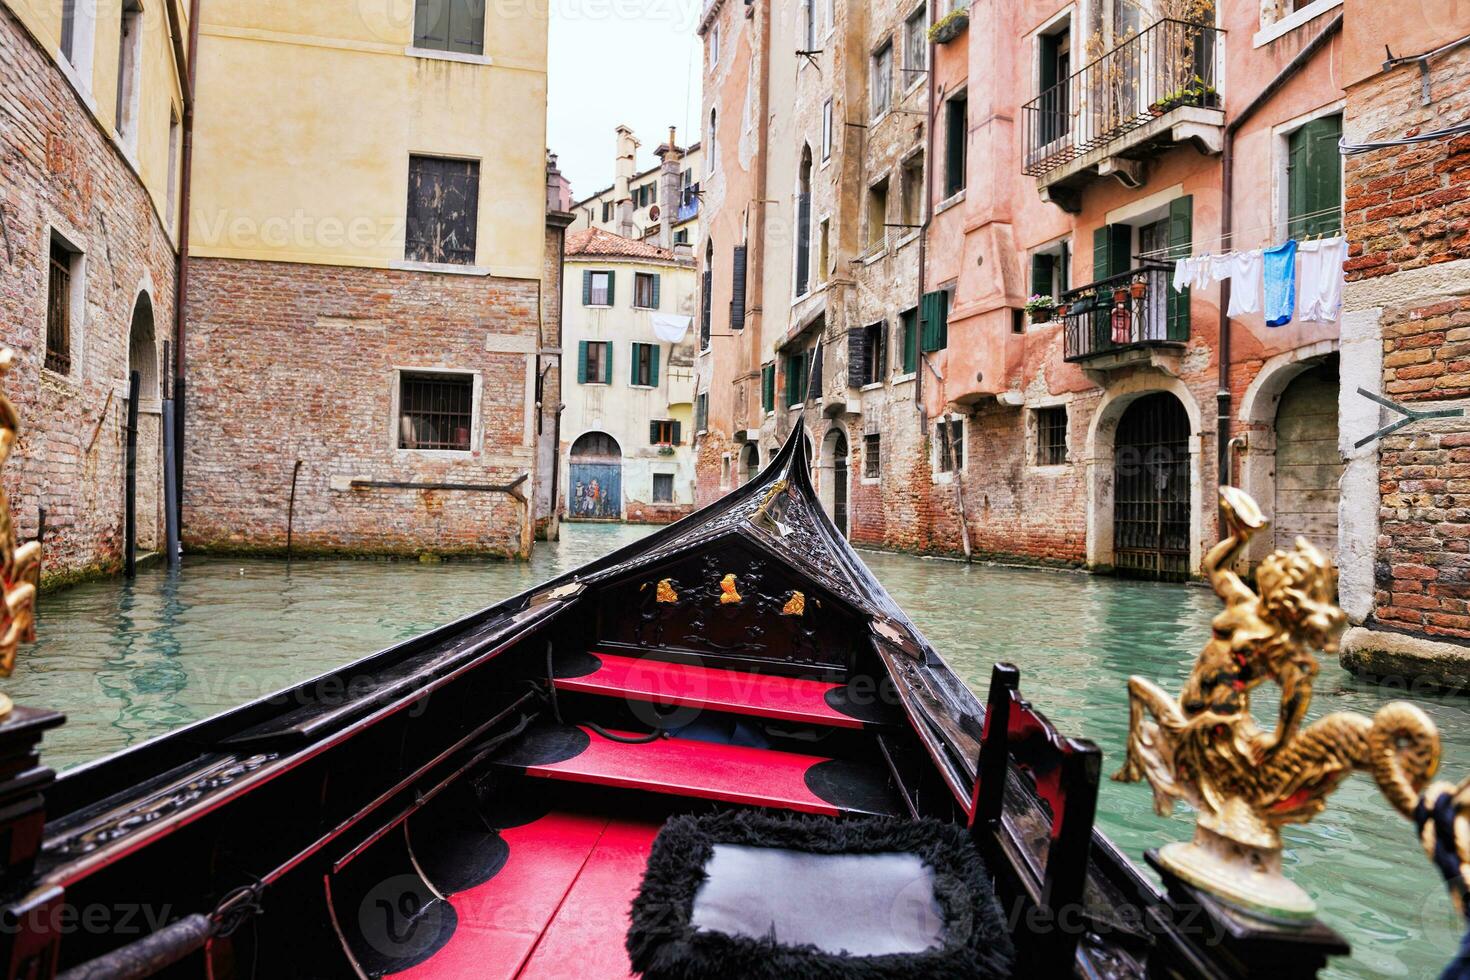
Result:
[[595, 491]]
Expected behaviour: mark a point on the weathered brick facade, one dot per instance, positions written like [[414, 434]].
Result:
[[298, 362], [64, 176]]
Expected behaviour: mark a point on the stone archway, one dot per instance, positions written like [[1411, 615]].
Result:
[[750, 462], [595, 480], [834, 489], [1102, 463], [143, 358]]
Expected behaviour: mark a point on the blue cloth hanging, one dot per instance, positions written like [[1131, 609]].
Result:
[[1280, 275]]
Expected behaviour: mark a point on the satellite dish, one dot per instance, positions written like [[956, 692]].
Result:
[[653, 212]]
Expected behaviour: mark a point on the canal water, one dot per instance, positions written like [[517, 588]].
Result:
[[127, 661]]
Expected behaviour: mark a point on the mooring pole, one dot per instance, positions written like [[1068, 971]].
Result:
[[130, 505], [170, 474], [291, 508]]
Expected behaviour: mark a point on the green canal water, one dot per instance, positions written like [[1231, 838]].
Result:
[[129, 661]]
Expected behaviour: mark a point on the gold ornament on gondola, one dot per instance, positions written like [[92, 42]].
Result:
[[729, 595], [665, 593], [20, 564], [1205, 748]]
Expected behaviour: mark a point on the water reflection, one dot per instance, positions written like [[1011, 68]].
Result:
[[130, 661]]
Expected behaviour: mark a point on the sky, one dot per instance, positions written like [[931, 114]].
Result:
[[633, 62]]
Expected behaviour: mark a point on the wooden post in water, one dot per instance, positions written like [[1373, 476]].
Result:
[[130, 504]]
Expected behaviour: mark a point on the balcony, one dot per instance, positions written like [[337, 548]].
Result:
[[1156, 90], [1125, 319]]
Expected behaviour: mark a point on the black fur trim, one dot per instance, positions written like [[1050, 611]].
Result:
[[664, 946]]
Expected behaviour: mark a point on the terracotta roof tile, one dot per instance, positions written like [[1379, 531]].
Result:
[[595, 241]]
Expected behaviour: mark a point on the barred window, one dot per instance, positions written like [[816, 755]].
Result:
[[872, 444], [1051, 436], [949, 437], [435, 411], [58, 309]]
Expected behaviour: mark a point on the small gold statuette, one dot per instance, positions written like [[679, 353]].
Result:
[[795, 606], [728, 595], [1244, 783], [20, 564], [666, 593]]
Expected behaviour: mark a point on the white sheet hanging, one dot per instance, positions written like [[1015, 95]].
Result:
[[671, 328], [1319, 279], [1243, 269]]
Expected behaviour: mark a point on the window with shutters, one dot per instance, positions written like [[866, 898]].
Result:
[[64, 299], [768, 387], [607, 211], [1314, 179], [796, 378], [956, 134], [701, 411], [872, 455], [706, 294], [663, 488], [915, 46], [949, 445], [880, 93], [594, 362], [1051, 436], [663, 432], [877, 215], [1051, 269], [443, 210], [908, 339], [645, 366], [875, 352], [597, 288], [934, 317], [737, 289], [804, 223], [645, 290], [450, 25], [435, 410]]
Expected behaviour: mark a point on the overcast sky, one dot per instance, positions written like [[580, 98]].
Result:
[[635, 62]]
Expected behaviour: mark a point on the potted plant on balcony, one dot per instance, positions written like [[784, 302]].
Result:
[[950, 26], [1198, 93], [1039, 307], [1120, 295], [1138, 288]]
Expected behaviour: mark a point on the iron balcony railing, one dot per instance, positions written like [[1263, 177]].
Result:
[[1129, 310], [1170, 64]]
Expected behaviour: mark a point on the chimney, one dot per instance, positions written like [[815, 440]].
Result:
[[558, 188], [669, 189], [627, 165]]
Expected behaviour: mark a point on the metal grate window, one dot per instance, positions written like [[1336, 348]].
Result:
[[1151, 489], [58, 311], [950, 435], [872, 443], [435, 411], [1051, 436]]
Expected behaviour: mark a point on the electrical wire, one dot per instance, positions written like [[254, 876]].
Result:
[[1220, 243], [1348, 149]]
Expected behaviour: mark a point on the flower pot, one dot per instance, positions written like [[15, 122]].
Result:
[[1138, 289], [1041, 315], [1062, 310], [1120, 296], [950, 27]]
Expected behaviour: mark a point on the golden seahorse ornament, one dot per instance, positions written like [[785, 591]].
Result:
[[20, 564], [1205, 749]]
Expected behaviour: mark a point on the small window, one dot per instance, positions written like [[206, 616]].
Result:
[[881, 95], [956, 132], [809, 25], [1051, 436], [599, 289], [711, 147], [63, 266], [913, 193], [872, 443], [435, 411], [916, 46], [1314, 179], [443, 210], [645, 290], [645, 365], [701, 412], [824, 247], [949, 438], [827, 130], [129, 46], [877, 213], [663, 432], [875, 352], [607, 211], [450, 25], [663, 488], [1018, 320], [69, 30], [171, 208], [681, 237], [714, 45], [595, 362]]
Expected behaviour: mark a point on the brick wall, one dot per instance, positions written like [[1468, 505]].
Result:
[[60, 170], [291, 361], [1408, 211]]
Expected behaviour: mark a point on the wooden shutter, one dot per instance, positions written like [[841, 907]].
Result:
[[586, 287], [1111, 245], [654, 303], [910, 341], [814, 358], [934, 320], [611, 277], [1314, 178], [857, 357], [1041, 273], [708, 299], [653, 433], [737, 278], [582, 362], [768, 386], [678, 433], [1181, 233], [653, 364], [430, 24], [466, 25], [633, 378], [803, 242]]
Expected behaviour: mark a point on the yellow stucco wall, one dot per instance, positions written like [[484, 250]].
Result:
[[160, 85], [308, 112]]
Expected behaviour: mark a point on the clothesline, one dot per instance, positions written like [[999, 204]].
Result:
[[1219, 242], [1273, 277]]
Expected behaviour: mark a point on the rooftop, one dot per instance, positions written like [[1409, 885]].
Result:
[[595, 241]]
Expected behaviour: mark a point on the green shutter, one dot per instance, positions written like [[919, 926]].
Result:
[[678, 433], [1314, 179], [768, 386], [910, 341], [586, 287], [467, 26], [655, 291], [607, 374], [582, 362], [653, 365], [611, 278], [653, 433], [633, 376], [1041, 273], [1181, 234], [934, 321], [1111, 245]]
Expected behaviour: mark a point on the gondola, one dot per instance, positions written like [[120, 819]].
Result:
[[486, 800]]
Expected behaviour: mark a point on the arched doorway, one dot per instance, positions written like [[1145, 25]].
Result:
[[750, 462], [804, 223], [1308, 463], [832, 488], [595, 484], [1151, 489], [143, 358]]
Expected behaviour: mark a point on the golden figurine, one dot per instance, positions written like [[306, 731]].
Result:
[[795, 606], [728, 595], [1244, 783], [20, 564], [666, 593]]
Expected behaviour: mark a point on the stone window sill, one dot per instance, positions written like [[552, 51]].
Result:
[[448, 268], [433, 54], [1292, 21], [871, 386], [904, 379], [949, 202]]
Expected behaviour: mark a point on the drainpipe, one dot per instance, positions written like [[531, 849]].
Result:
[[1227, 176], [931, 163], [181, 279]]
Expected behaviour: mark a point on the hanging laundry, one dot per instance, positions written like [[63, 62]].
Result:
[[1280, 276], [1192, 271], [1244, 270], [1319, 270]]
